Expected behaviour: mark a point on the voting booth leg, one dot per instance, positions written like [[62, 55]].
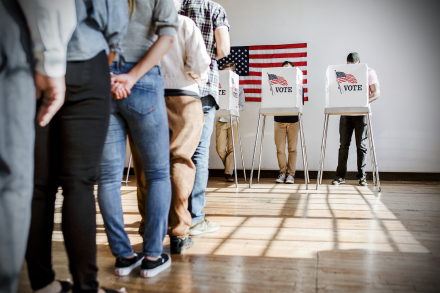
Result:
[[321, 160], [233, 150], [373, 167], [255, 150], [370, 128], [325, 145], [261, 148], [241, 150], [303, 150], [128, 170]]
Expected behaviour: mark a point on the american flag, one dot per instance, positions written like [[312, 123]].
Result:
[[250, 60], [277, 79], [345, 77]]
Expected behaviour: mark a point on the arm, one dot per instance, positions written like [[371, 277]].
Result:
[[123, 83], [222, 41], [197, 59], [51, 25], [375, 92]]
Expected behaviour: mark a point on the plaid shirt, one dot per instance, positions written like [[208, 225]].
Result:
[[208, 16]]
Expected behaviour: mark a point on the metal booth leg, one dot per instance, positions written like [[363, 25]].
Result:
[[233, 150], [128, 170], [374, 151], [321, 160], [261, 148], [255, 150], [303, 151], [373, 167], [241, 149], [325, 145]]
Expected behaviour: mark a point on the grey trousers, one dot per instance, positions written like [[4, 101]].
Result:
[[17, 112]]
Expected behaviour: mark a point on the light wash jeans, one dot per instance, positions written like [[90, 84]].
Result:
[[143, 114], [17, 133], [197, 201]]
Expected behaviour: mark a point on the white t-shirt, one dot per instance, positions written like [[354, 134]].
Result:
[[372, 79]]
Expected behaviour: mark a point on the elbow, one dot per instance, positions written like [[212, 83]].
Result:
[[223, 52]]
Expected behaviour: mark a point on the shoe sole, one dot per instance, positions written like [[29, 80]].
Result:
[[127, 270], [289, 182], [153, 272], [198, 232]]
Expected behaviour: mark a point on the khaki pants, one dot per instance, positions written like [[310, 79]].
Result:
[[290, 130], [185, 119], [224, 146]]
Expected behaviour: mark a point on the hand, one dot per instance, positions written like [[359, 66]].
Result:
[[52, 92], [122, 85]]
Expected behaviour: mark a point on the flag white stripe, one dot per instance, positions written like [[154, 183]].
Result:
[[278, 51], [277, 60]]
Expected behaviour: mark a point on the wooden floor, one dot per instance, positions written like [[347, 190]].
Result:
[[283, 238]]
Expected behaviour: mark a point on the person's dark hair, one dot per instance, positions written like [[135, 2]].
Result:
[[353, 57], [229, 65], [288, 63]]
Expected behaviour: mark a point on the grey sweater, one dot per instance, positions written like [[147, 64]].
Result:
[[151, 18]]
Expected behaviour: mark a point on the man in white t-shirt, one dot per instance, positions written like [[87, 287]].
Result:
[[358, 123]]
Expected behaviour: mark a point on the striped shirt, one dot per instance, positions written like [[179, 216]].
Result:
[[208, 16]]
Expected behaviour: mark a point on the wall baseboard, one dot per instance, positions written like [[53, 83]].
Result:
[[384, 176]]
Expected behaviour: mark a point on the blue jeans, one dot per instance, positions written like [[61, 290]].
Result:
[[143, 114], [197, 201]]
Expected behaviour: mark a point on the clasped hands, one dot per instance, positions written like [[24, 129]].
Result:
[[121, 85]]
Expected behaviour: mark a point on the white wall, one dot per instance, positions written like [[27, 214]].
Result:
[[397, 38]]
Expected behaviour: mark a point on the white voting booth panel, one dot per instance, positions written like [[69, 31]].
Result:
[[347, 86], [282, 87], [228, 90]]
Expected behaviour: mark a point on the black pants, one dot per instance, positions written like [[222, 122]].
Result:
[[346, 126], [67, 154]]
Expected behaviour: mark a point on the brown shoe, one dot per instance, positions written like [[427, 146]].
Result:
[[229, 178]]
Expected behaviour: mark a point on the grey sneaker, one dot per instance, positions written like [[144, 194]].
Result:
[[363, 182], [281, 178], [203, 227], [338, 181], [290, 179]]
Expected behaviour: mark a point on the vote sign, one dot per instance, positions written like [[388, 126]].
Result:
[[282, 87], [347, 86], [228, 92]]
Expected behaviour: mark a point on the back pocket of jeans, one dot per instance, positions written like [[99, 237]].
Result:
[[143, 99]]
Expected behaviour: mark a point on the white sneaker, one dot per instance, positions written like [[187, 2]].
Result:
[[281, 178], [203, 227], [290, 179]]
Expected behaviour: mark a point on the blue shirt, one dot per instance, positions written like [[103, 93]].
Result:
[[101, 25]]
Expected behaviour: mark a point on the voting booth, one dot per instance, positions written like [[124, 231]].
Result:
[[228, 94], [346, 93], [282, 94]]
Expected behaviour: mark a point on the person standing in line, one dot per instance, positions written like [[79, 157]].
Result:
[[223, 135], [49, 26], [211, 19], [139, 109], [286, 127], [68, 151], [358, 124]]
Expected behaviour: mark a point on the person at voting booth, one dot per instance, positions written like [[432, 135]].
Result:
[[286, 127], [223, 135], [358, 124]]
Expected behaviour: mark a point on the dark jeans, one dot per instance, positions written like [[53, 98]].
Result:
[[346, 126], [68, 154], [17, 112]]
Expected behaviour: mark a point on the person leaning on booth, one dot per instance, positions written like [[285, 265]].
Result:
[[358, 123], [223, 135], [286, 126]]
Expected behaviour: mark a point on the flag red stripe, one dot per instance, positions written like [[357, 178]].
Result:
[[250, 81], [285, 55], [253, 99], [272, 47], [268, 65], [252, 91], [255, 73]]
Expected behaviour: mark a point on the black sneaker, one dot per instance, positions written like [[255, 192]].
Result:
[[178, 245], [229, 178], [151, 268], [363, 182], [338, 181], [124, 266]]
